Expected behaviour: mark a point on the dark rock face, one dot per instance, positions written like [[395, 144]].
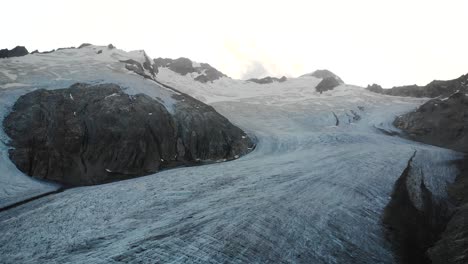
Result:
[[438, 122], [323, 74], [443, 123], [181, 66], [18, 51], [375, 88], [432, 90], [452, 247], [47, 51], [138, 68], [329, 83], [65, 48], [184, 66], [84, 45], [413, 230], [268, 79], [87, 135]]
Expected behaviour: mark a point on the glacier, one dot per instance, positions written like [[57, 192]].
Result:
[[313, 190]]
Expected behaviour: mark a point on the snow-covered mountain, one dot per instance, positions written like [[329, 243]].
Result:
[[200, 72], [313, 190], [94, 126]]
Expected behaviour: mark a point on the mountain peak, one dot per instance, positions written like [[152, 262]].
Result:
[[323, 74], [183, 66], [17, 51]]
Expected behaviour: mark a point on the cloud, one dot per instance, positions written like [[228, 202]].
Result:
[[255, 69]]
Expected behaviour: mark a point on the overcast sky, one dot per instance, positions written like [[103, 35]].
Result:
[[393, 42]]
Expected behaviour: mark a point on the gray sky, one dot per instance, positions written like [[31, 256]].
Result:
[[393, 42]]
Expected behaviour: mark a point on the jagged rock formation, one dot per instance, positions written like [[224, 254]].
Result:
[[328, 83], [413, 228], [88, 135], [452, 246], [18, 51], [323, 74], [268, 79], [439, 122], [145, 69], [206, 73], [431, 90], [443, 123]]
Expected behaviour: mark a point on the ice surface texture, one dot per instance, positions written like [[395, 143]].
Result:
[[311, 192]]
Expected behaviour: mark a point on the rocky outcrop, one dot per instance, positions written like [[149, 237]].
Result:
[[145, 69], [440, 122], [65, 48], [324, 74], [84, 45], [411, 227], [87, 135], [180, 65], [443, 123], [452, 247], [328, 83], [375, 88], [268, 80], [206, 73], [431, 90], [18, 51]]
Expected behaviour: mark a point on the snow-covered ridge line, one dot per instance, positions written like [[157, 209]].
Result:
[[60, 69]]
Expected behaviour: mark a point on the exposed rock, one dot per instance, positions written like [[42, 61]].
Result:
[[206, 73], [268, 79], [412, 229], [148, 65], [18, 51], [323, 74], [65, 48], [431, 90], [84, 45], [453, 245], [147, 70], [162, 62], [48, 51], [439, 122], [181, 66], [110, 46], [445, 123], [375, 88], [329, 83], [88, 135]]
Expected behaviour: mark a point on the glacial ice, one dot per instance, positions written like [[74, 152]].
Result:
[[310, 192]]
